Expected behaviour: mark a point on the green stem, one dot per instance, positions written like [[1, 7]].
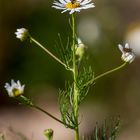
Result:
[[48, 52], [76, 109], [110, 71], [47, 113], [25, 101], [104, 74]]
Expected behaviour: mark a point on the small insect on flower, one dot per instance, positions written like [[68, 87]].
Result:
[[127, 53], [73, 5], [15, 89], [22, 34]]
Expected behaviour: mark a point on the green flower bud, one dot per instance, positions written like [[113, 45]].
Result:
[[80, 49], [49, 134]]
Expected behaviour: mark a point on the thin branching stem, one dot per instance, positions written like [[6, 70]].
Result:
[[48, 52], [50, 115], [110, 71], [104, 74]]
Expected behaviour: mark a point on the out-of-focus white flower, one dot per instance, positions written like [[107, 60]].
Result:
[[22, 34], [133, 37], [80, 49], [15, 89], [73, 5], [127, 53], [89, 29]]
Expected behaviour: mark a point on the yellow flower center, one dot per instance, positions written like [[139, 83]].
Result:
[[16, 92], [73, 5]]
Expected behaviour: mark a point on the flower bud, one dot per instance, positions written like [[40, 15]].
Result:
[[49, 134], [80, 49]]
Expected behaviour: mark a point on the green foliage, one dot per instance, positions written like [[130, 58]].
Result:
[[66, 101], [67, 106], [64, 50], [108, 131], [85, 75]]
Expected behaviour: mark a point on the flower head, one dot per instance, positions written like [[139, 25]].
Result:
[[73, 5], [127, 53], [15, 89], [22, 34]]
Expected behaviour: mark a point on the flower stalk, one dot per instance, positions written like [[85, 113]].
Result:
[[26, 101], [48, 52], [104, 74], [75, 92], [50, 115]]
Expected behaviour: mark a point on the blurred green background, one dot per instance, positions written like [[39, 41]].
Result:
[[111, 22]]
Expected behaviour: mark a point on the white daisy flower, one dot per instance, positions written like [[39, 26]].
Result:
[[22, 34], [15, 89], [127, 53], [73, 5]]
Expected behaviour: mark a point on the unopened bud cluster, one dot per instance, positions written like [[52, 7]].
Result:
[[49, 134]]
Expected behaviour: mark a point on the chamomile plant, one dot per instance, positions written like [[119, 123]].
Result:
[[70, 58]]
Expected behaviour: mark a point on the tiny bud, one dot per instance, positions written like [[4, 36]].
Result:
[[22, 34], [49, 134], [80, 49]]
